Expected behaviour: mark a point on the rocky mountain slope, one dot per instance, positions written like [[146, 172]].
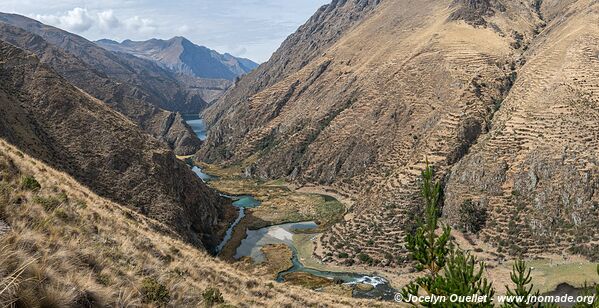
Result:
[[185, 57], [129, 100], [488, 91], [53, 121], [61, 245], [158, 86]]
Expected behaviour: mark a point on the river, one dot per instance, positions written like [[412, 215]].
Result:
[[252, 245], [196, 124], [283, 234]]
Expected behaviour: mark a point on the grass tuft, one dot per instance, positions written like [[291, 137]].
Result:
[[30, 183]]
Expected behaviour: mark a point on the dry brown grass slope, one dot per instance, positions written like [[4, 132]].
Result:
[[362, 93], [67, 247]]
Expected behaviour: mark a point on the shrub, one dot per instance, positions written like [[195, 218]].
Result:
[[212, 296], [364, 257], [472, 217], [343, 255], [30, 183], [154, 292]]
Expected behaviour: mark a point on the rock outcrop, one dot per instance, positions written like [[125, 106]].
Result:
[[51, 120]]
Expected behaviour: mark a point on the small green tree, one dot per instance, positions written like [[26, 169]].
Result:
[[449, 270], [521, 277], [426, 247]]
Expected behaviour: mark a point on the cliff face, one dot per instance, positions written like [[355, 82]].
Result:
[[365, 91], [125, 98], [47, 118]]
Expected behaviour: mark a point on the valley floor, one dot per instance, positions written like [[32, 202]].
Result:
[[283, 202]]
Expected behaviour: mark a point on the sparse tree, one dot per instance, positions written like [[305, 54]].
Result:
[[523, 288], [426, 247], [449, 270], [472, 217]]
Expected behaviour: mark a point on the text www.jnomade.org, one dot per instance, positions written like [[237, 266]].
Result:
[[501, 299]]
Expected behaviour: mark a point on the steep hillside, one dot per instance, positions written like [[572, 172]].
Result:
[[128, 100], [536, 172], [155, 84], [365, 91], [185, 57], [48, 118], [63, 246]]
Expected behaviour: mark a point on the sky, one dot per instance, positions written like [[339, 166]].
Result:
[[245, 28]]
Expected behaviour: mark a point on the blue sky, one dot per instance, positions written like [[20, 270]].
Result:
[[246, 28]]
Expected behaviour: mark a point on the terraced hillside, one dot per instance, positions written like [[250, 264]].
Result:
[[365, 91], [61, 245], [537, 171], [52, 120]]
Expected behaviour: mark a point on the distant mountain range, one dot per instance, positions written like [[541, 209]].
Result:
[[146, 93], [184, 57]]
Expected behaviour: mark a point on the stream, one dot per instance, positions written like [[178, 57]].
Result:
[[283, 234], [197, 125], [241, 202], [252, 245]]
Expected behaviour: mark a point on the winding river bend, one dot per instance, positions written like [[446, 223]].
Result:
[[283, 234], [241, 202]]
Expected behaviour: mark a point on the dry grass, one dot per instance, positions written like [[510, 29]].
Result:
[[69, 247]]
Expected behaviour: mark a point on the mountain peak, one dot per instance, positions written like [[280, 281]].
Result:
[[182, 56]]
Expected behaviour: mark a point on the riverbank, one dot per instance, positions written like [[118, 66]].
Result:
[[311, 209], [282, 202]]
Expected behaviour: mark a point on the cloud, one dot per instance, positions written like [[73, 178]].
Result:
[[80, 20], [77, 19], [141, 25], [107, 20]]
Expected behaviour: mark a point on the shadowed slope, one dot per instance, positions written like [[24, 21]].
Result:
[[52, 120], [61, 245], [128, 100], [158, 86]]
